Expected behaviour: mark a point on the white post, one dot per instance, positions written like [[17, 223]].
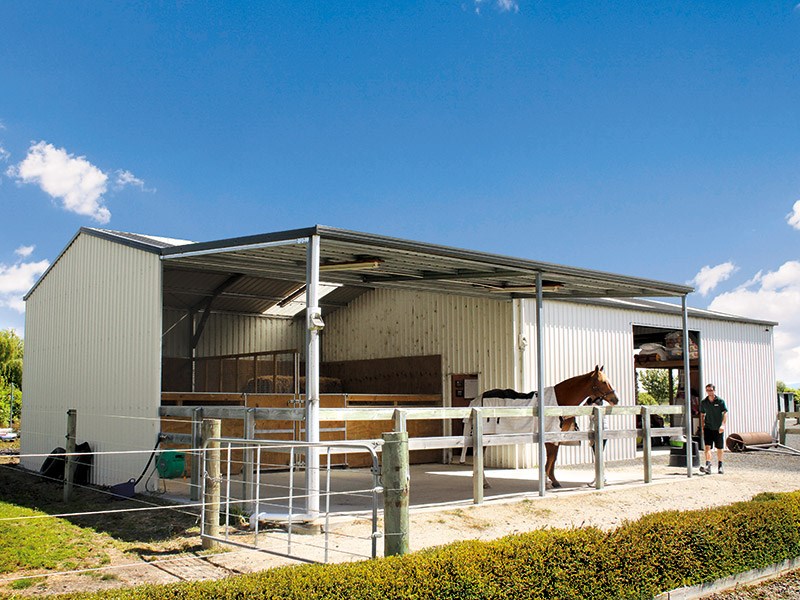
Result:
[[540, 382], [313, 327], [687, 388]]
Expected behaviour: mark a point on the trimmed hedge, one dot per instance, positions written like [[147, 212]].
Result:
[[639, 559]]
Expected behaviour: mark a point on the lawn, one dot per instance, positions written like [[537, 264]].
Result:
[[36, 546]]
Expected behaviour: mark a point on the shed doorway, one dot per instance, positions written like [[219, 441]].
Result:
[[659, 366]]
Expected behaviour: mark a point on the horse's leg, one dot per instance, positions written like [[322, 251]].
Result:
[[550, 465]]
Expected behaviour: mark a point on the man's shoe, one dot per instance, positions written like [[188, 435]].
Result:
[[705, 470], [721, 470]]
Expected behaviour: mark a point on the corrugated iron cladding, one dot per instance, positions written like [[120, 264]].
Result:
[[232, 334], [473, 335], [736, 356], [93, 343]]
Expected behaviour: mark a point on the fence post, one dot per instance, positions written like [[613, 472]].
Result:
[[477, 456], [782, 428], [396, 483], [194, 480], [69, 464], [599, 466], [647, 445], [211, 428], [248, 452], [400, 419]]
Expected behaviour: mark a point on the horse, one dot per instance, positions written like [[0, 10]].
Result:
[[570, 392]]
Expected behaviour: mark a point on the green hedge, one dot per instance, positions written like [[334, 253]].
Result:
[[639, 559]]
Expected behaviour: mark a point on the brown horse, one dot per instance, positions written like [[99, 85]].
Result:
[[572, 392]]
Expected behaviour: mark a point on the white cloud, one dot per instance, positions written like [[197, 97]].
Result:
[[774, 296], [710, 277], [24, 251], [73, 180], [17, 279], [793, 218], [501, 5], [508, 5], [4, 154], [124, 178]]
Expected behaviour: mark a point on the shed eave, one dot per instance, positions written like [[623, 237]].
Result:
[[243, 254]]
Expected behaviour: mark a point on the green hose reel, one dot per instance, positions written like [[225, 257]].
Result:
[[171, 464]]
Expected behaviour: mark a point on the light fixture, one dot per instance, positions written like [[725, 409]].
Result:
[[355, 265]]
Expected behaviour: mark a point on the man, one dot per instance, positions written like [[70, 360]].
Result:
[[713, 416]]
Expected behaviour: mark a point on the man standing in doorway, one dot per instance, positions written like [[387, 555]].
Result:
[[713, 416]]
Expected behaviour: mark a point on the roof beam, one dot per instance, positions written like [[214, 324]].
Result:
[[459, 275], [207, 306]]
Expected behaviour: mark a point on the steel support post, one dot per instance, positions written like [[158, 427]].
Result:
[[313, 328], [540, 382], [687, 387]]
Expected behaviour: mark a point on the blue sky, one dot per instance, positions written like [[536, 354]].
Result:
[[659, 140]]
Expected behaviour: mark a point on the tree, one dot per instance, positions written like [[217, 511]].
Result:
[[11, 351], [645, 399], [656, 383]]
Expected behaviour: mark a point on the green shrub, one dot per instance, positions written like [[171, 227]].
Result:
[[639, 559]]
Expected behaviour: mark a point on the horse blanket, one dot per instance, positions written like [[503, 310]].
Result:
[[511, 398]]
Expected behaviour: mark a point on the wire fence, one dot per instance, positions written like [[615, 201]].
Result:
[[248, 522]]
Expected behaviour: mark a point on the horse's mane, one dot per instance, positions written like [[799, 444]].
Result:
[[508, 393]]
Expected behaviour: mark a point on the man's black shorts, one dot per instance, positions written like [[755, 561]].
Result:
[[713, 437]]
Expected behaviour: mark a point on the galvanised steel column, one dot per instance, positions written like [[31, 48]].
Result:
[[687, 387], [312, 375], [540, 381]]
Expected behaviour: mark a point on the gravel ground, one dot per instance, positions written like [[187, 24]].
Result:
[[625, 498]]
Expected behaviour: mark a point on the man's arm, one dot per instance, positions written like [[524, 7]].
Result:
[[724, 420]]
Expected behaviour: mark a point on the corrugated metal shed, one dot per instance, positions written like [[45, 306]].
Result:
[[396, 298], [93, 343]]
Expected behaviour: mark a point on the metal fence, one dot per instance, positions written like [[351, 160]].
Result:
[[277, 500]]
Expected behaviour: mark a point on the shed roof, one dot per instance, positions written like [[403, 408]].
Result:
[[269, 267]]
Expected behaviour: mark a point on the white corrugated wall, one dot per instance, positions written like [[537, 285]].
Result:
[[93, 343], [737, 357], [473, 335], [232, 334]]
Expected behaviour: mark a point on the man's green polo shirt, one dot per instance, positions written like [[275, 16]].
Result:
[[713, 412]]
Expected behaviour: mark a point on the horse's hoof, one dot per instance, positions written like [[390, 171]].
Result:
[[486, 485], [556, 484]]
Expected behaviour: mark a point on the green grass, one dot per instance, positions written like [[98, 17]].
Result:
[[49, 543], [32, 547]]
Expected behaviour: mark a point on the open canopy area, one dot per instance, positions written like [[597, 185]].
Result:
[[259, 273]]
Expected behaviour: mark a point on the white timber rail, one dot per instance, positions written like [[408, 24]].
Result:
[[477, 440]]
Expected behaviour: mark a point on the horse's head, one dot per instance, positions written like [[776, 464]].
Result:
[[602, 388]]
